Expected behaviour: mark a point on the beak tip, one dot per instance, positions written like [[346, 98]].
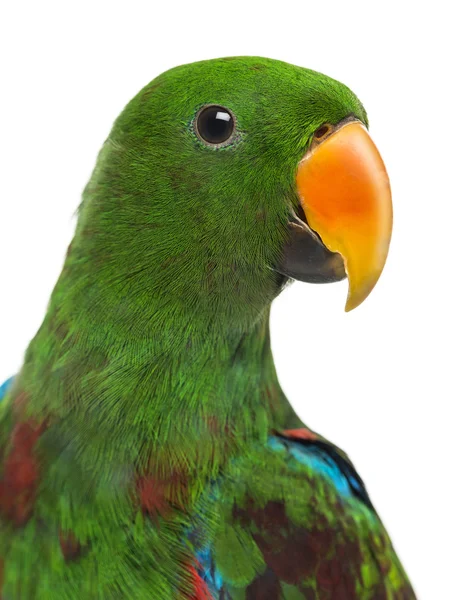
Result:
[[357, 295], [350, 306]]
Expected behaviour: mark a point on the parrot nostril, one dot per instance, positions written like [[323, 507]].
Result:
[[322, 131]]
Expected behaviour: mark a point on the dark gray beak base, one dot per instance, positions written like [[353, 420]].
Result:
[[306, 258]]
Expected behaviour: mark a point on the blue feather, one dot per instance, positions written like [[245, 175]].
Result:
[[5, 387], [318, 460]]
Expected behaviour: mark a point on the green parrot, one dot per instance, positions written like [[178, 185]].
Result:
[[147, 450]]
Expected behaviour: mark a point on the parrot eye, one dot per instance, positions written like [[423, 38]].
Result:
[[215, 125]]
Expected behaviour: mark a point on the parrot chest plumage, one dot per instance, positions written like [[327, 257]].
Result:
[[288, 518]]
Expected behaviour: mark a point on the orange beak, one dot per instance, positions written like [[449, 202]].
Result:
[[345, 193]]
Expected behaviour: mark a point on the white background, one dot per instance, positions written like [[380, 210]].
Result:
[[382, 381]]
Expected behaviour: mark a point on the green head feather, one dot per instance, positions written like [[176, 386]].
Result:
[[178, 229]]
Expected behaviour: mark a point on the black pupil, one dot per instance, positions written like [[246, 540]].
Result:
[[215, 124]]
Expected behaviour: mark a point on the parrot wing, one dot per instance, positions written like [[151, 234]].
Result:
[[297, 523]]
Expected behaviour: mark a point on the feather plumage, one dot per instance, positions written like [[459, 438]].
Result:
[[147, 449]]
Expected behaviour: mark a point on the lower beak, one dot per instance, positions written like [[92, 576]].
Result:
[[345, 194]]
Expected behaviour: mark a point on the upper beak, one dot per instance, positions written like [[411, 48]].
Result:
[[344, 191]]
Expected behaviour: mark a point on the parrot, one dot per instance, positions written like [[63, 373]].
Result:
[[147, 449]]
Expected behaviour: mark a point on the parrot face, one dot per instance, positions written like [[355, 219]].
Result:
[[231, 176]]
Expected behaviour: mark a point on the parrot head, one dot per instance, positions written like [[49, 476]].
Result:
[[224, 179]]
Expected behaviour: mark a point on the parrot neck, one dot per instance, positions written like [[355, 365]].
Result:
[[190, 400]]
